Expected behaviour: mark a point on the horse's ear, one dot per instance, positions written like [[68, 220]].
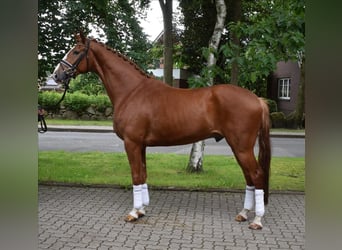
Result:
[[80, 37]]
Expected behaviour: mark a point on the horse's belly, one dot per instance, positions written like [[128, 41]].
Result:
[[180, 136]]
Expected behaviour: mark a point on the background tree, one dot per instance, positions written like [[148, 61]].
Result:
[[166, 7], [235, 12], [51, 41], [257, 35], [271, 31], [115, 20], [198, 18], [196, 156]]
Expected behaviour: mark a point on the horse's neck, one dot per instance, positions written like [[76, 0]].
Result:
[[118, 75]]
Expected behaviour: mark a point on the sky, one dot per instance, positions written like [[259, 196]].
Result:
[[153, 24]]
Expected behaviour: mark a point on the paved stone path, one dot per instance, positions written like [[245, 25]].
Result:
[[92, 218]]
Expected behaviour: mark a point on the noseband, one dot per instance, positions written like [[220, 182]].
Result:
[[70, 70]]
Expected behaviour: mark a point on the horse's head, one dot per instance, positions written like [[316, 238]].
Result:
[[74, 62]]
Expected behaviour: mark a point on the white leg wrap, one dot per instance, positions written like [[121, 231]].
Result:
[[145, 195], [249, 198], [244, 213], [137, 197], [257, 220], [249, 201], [259, 202], [134, 213]]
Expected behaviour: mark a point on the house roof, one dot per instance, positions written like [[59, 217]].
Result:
[[176, 36]]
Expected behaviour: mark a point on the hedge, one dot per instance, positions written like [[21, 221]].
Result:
[[49, 99], [278, 119], [77, 102], [272, 105]]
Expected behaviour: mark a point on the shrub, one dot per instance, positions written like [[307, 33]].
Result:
[[49, 99], [78, 102], [293, 121], [278, 119], [272, 105], [101, 102]]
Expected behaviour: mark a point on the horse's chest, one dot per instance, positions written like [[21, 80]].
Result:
[[119, 127], [124, 124]]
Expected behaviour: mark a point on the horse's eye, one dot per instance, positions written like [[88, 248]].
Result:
[[76, 52]]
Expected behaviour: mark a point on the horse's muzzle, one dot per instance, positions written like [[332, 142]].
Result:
[[59, 76]]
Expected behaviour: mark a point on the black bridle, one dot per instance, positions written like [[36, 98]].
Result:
[[70, 70]]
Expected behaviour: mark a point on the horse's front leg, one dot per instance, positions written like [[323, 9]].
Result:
[[137, 160]]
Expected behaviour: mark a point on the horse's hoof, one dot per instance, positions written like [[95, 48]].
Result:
[[254, 226], [240, 218], [130, 218], [140, 214]]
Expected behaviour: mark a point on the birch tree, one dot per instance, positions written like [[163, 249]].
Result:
[[196, 156]]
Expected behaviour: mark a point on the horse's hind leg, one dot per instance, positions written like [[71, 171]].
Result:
[[254, 194]]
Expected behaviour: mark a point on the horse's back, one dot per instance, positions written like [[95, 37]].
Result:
[[234, 94]]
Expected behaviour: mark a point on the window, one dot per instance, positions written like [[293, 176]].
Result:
[[284, 88]]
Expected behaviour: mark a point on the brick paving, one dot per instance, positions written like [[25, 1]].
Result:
[[92, 218]]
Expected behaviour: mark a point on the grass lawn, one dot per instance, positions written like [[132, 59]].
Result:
[[78, 122], [164, 170]]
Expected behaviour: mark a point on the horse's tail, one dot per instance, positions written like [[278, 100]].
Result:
[[264, 157]]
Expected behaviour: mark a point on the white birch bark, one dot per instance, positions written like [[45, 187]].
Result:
[[197, 151]]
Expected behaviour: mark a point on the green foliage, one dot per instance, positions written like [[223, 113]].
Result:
[[78, 102], [116, 21], [278, 119], [49, 99], [156, 52], [101, 102], [269, 31], [272, 105], [197, 82], [273, 31], [276, 34], [88, 84], [199, 19], [292, 121], [206, 74], [124, 33]]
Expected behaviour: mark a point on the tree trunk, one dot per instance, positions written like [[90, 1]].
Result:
[[166, 7], [237, 10], [300, 108], [196, 156]]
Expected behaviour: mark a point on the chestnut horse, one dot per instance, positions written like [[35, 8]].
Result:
[[148, 112]]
